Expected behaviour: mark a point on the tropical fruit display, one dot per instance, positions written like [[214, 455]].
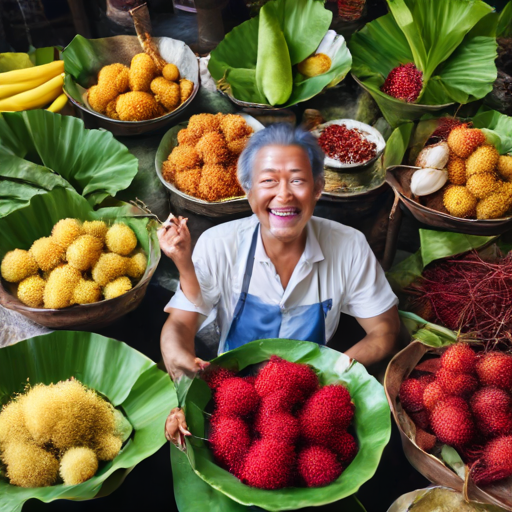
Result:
[[463, 399], [267, 61], [78, 263], [58, 433], [145, 90], [204, 163], [33, 87], [280, 428]]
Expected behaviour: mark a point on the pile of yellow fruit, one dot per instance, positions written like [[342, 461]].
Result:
[[80, 263], [35, 87], [481, 178]]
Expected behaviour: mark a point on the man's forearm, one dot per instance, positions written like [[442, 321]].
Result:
[[373, 348]]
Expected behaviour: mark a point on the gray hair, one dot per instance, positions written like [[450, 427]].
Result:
[[281, 134]]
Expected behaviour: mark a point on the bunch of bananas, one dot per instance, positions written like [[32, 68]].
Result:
[[35, 87]]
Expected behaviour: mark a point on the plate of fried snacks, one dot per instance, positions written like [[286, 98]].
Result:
[[126, 88], [197, 162]]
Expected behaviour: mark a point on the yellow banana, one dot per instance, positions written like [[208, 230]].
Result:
[[46, 71], [12, 89], [58, 104], [35, 98]]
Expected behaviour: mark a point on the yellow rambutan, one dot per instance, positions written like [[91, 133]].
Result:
[[463, 140], [47, 253], [86, 292], [66, 231], [117, 287], [12, 424], [484, 159], [107, 446], [110, 266], [121, 239], [31, 291], [459, 201], [504, 167], [78, 465], [58, 292], [456, 168], [84, 252], [96, 228], [483, 184], [496, 204], [137, 265], [18, 265]]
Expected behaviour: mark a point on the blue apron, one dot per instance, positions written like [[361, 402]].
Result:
[[255, 320]]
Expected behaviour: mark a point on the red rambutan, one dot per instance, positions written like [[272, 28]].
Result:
[[327, 411], [237, 397], [429, 365], [421, 419], [230, 440], [214, 376], [460, 358], [445, 126], [281, 426], [458, 384], [495, 369], [269, 464], [492, 410], [344, 446], [424, 440], [411, 395], [496, 463], [432, 395], [318, 466], [404, 83], [452, 423], [298, 381]]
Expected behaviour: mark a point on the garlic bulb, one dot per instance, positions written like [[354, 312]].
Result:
[[434, 157], [428, 181]]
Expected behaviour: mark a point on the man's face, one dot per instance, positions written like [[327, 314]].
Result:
[[283, 193]]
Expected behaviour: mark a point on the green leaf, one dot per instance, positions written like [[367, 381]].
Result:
[[91, 161], [426, 332], [500, 124], [79, 51], [133, 384], [397, 145], [28, 223], [10, 61], [452, 459], [371, 422], [441, 244], [505, 22], [41, 56], [453, 43], [304, 24]]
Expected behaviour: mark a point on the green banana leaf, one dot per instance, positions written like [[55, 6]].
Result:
[[304, 24], [397, 145], [499, 125], [130, 381], [453, 43], [372, 425], [35, 220], [505, 22], [428, 333], [37, 143]]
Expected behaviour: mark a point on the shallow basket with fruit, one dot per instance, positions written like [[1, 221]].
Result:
[[335, 372]]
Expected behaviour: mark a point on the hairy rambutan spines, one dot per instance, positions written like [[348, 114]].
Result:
[[237, 397], [421, 419], [317, 466], [298, 381], [404, 83], [455, 383], [452, 423], [459, 358], [230, 440], [411, 395], [495, 369], [214, 377], [496, 462], [424, 440], [281, 426], [432, 395], [344, 445], [269, 464], [492, 410]]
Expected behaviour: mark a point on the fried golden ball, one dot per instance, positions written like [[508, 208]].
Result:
[[238, 145], [199, 124], [212, 148], [167, 93], [171, 73], [187, 138], [111, 110], [186, 88], [234, 127], [142, 71], [217, 183], [136, 106], [168, 171], [184, 157], [188, 181]]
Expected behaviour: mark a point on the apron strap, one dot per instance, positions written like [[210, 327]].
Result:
[[250, 262]]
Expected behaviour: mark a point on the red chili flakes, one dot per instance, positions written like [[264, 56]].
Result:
[[349, 146]]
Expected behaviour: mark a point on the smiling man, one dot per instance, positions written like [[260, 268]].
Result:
[[280, 273]]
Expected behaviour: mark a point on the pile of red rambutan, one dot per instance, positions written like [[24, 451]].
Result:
[[464, 400], [280, 428]]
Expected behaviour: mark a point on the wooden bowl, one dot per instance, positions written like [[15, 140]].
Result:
[[83, 317], [427, 464], [399, 177]]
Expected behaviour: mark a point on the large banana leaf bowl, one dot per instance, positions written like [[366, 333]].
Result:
[[127, 378], [83, 59], [371, 423], [25, 225], [429, 339], [452, 43]]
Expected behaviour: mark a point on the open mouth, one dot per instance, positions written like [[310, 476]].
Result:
[[284, 212]]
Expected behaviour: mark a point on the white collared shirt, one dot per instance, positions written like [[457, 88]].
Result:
[[337, 263]]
